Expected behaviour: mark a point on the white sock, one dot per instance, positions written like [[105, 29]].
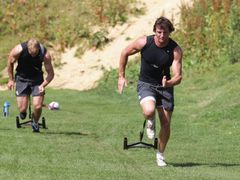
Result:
[[160, 154], [150, 121]]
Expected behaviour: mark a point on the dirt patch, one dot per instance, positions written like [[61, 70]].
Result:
[[84, 73]]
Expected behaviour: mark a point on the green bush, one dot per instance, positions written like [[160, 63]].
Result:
[[210, 36], [234, 38]]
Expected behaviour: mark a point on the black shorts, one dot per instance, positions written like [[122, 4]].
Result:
[[164, 97], [26, 87]]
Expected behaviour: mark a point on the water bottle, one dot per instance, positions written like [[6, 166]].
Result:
[[6, 109]]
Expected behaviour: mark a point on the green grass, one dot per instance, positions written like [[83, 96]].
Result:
[[84, 139]]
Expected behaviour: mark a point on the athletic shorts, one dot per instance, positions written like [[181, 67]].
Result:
[[163, 97], [26, 88]]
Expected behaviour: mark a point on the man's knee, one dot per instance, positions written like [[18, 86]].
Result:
[[37, 103], [37, 107], [148, 107], [149, 113], [22, 109], [22, 103]]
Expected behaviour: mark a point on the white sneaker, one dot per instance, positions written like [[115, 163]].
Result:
[[160, 160], [150, 128]]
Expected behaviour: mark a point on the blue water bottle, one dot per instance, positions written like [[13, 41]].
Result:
[[6, 109]]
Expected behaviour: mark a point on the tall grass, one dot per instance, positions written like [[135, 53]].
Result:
[[208, 32], [60, 24]]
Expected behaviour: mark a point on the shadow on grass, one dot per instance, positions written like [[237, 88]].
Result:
[[191, 164], [5, 129], [69, 133]]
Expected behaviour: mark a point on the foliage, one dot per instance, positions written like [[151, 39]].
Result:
[[110, 78], [234, 38], [3, 80], [209, 36], [60, 24], [99, 39]]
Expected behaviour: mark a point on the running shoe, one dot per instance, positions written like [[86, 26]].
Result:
[[160, 160], [35, 127], [22, 115]]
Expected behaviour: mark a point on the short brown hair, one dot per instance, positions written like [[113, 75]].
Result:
[[33, 45], [163, 23]]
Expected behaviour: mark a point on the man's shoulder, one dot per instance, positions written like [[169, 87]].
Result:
[[173, 42], [148, 41], [23, 44], [150, 36], [17, 50]]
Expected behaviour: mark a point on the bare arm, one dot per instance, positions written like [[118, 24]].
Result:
[[131, 49], [176, 69], [12, 58], [49, 69]]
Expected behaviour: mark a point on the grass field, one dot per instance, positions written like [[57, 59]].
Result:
[[84, 139]]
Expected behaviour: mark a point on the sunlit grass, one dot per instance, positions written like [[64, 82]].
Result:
[[84, 139]]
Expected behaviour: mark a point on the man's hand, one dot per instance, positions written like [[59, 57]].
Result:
[[10, 84], [41, 89], [121, 83]]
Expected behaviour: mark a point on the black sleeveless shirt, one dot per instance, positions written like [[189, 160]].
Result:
[[30, 68], [156, 61]]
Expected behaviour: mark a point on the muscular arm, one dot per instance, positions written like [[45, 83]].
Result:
[[131, 49], [49, 69], [12, 58], [176, 69]]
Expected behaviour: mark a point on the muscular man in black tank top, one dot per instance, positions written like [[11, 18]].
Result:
[[159, 53], [30, 56]]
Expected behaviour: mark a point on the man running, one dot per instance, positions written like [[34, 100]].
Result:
[[155, 86], [30, 56]]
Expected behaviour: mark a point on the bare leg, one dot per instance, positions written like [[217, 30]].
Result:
[[148, 109], [37, 107], [164, 134], [22, 102]]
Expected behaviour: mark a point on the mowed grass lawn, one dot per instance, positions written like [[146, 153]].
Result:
[[84, 139]]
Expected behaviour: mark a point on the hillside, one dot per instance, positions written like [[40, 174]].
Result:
[[84, 73]]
